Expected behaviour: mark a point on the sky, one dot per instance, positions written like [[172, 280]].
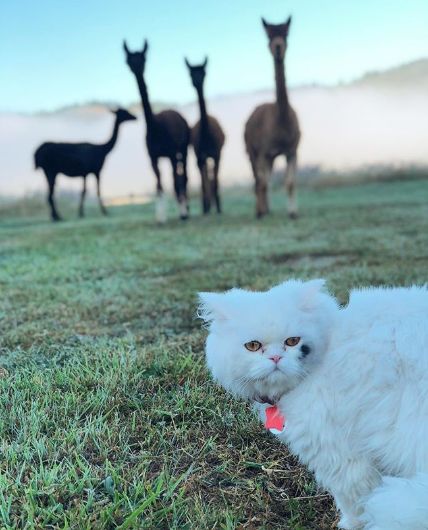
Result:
[[55, 53]]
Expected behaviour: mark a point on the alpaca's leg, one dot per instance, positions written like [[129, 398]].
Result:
[[177, 186], [290, 185], [51, 178], [82, 198], [100, 202], [184, 165], [160, 199], [262, 169], [182, 157], [256, 186], [180, 186], [215, 185], [206, 190]]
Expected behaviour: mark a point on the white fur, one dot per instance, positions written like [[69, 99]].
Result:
[[161, 206], [356, 407], [184, 212], [398, 503], [239, 316]]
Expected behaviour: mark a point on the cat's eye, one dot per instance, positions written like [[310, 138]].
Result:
[[292, 341], [253, 345]]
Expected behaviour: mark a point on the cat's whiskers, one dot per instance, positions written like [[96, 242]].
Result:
[[259, 373], [243, 383]]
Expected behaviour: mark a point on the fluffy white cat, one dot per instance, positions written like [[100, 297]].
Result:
[[352, 384]]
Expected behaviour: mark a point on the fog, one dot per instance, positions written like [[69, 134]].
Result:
[[343, 129]]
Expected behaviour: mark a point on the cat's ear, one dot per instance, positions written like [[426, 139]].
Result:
[[311, 292], [211, 306]]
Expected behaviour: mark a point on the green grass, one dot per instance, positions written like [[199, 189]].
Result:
[[108, 418]]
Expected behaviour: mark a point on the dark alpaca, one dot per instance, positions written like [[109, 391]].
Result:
[[167, 135], [273, 129], [77, 160], [208, 139]]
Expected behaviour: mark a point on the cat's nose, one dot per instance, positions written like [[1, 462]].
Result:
[[275, 358]]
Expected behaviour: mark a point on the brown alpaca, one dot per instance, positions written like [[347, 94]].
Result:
[[207, 138], [273, 129]]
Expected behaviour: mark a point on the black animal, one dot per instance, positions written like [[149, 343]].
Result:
[[207, 139], [77, 160], [167, 135]]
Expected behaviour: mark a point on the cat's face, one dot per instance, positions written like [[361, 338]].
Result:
[[261, 345]]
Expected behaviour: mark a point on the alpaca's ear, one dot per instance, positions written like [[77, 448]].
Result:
[[125, 47], [266, 26], [311, 290], [211, 306]]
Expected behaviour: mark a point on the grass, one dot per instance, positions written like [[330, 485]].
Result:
[[108, 418]]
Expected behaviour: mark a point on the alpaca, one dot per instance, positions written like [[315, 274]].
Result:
[[207, 139], [273, 129], [167, 135], [347, 388], [77, 160]]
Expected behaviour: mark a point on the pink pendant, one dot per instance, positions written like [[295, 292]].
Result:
[[275, 420]]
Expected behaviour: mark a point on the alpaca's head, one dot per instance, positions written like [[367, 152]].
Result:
[[262, 344], [123, 115], [277, 35], [197, 73], [136, 60]]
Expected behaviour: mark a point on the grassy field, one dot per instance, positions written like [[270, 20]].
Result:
[[107, 415]]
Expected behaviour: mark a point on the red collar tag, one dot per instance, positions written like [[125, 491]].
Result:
[[275, 420]]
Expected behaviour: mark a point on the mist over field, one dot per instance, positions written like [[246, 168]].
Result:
[[377, 120]]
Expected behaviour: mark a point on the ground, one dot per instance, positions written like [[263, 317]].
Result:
[[108, 417]]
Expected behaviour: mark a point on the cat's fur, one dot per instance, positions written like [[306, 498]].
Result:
[[356, 405]]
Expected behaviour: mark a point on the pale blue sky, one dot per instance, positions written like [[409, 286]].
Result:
[[59, 52]]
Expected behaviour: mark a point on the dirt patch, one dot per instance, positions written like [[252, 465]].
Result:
[[319, 260]]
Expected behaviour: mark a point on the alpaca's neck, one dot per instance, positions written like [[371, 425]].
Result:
[[108, 146], [202, 109], [148, 113], [281, 88]]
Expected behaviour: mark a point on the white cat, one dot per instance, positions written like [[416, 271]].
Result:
[[352, 384]]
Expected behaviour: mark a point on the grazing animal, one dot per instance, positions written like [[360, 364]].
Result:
[[207, 138], [273, 129], [167, 135], [348, 388], [77, 160]]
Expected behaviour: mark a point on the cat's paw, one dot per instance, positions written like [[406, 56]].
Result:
[[349, 523]]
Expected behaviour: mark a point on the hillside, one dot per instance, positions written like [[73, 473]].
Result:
[[410, 76], [344, 129]]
